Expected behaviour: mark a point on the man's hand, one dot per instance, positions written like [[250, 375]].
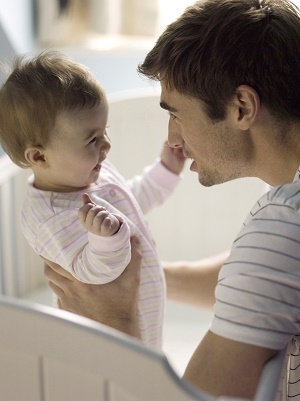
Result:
[[113, 304]]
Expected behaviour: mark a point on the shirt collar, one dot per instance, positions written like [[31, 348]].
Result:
[[297, 175]]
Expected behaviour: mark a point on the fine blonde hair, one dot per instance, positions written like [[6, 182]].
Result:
[[35, 92]]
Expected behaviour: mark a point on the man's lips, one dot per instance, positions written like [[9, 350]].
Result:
[[193, 164], [186, 154]]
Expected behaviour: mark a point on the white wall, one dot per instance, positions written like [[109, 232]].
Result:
[[113, 61], [16, 17], [16, 30]]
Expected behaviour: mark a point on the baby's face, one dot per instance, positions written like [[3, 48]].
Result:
[[80, 145]]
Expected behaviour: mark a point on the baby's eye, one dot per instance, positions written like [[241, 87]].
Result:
[[93, 140]]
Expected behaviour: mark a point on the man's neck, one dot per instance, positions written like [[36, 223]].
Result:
[[279, 154]]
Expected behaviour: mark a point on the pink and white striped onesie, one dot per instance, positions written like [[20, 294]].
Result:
[[51, 225]]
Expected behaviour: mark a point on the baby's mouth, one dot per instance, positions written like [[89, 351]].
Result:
[[98, 165]]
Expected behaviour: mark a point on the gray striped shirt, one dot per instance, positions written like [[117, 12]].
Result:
[[258, 292]]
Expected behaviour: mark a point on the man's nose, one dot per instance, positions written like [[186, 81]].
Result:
[[174, 134]]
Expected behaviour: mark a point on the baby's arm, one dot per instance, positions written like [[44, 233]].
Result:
[[96, 219], [90, 258], [172, 158], [159, 179]]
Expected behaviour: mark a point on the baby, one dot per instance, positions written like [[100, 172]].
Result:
[[79, 211]]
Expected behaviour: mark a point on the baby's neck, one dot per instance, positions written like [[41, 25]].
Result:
[[53, 187]]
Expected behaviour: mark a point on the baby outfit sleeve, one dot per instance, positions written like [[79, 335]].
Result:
[[88, 257], [154, 186]]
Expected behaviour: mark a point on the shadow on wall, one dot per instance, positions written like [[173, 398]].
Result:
[[7, 54]]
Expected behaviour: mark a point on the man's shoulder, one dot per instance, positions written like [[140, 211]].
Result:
[[287, 194], [281, 203]]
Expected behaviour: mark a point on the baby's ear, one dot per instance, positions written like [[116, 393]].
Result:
[[35, 156]]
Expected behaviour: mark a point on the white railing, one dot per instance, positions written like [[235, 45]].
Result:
[[20, 268]]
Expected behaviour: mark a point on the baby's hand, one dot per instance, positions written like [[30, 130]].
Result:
[[96, 219], [172, 158]]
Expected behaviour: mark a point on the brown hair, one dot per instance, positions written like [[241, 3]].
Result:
[[217, 45], [33, 95]]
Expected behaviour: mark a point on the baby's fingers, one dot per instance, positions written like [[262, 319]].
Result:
[[86, 199], [83, 211], [88, 204], [95, 216], [88, 212]]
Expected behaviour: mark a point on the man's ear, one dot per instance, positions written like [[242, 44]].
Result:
[[247, 104], [35, 156]]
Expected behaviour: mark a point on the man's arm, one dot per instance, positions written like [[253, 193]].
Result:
[[113, 304], [218, 366], [194, 282], [225, 367]]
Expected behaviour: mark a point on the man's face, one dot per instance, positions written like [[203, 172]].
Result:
[[217, 149]]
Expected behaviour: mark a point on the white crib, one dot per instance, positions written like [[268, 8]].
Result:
[[51, 355]]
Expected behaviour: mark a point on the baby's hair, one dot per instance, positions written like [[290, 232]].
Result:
[[35, 92]]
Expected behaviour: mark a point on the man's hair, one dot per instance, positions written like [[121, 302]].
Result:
[[35, 92], [217, 45]]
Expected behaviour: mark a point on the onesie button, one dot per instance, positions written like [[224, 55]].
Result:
[[112, 192]]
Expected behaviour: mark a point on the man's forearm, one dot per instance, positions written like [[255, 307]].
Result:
[[194, 282]]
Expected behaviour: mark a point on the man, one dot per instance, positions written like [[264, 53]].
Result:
[[230, 77]]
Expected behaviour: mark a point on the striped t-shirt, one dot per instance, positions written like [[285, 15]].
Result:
[[51, 225], [258, 291]]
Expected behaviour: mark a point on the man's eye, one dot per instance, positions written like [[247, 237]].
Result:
[[172, 116]]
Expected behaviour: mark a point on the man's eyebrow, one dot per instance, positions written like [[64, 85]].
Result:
[[165, 106]]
